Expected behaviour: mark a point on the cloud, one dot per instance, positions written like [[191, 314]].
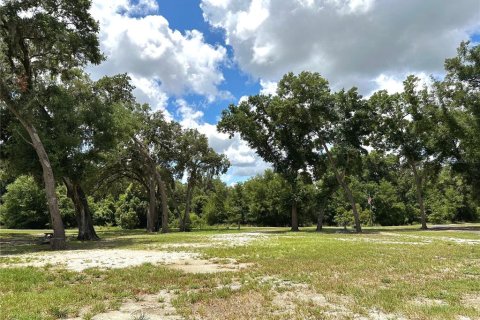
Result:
[[162, 62], [350, 42], [394, 83], [244, 161], [268, 87]]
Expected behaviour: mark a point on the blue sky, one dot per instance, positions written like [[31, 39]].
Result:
[[192, 58]]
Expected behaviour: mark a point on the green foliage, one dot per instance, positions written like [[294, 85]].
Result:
[[198, 204], [67, 209], [131, 210], [268, 198], [103, 211], [197, 222], [214, 210], [24, 205], [389, 209], [448, 199]]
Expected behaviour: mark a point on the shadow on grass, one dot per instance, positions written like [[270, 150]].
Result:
[[13, 243]]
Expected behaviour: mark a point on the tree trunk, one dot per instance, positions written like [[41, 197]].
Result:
[[294, 216], [57, 242], [419, 189], [86, 231], [346, 189], [350, 197], [163, 194], [152, 216], [321, 213], [161, 184], [185, 226]]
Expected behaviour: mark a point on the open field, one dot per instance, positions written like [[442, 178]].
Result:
[[254, 273]]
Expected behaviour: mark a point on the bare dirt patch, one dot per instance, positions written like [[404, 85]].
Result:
[[238, 239], [208, 266], [384, 241], [149, 306], [248, 305], [422, 301], [79, 260], [472, 300], [429, 239], [289, 298], [215, 241]]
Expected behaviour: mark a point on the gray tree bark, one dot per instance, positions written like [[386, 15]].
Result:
[[86, 230], [58, 241], [294, 216], [321, 214], [152, 216]]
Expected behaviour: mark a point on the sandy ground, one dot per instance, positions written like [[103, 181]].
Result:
[[219, 240], [427, 239], [79, 260], [153, 307], [288, 295]]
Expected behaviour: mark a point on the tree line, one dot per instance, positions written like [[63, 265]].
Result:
[[308, 132], [336, 156], [59, 126]]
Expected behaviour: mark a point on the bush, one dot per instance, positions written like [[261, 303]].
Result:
[[24, 205], [67, 209], [103, 211], [197, 222], [130, 209]]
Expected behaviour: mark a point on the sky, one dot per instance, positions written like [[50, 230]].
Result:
[[192, 58]]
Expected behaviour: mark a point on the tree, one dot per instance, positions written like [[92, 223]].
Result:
[[37, 49], [268, 199], [236, 205], [24, 205], [458, 96], [278, 127], [130, 208], [325, 186], [407, 127], [342, 121], [198, 161], [214, 210], [146, 155], [80, 127]]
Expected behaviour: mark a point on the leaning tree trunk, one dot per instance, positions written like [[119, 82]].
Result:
[[419, 189], [321, 214], [152, 217], [350, 197], [57, 242], [86, 231], [346, 189], [185, 225]]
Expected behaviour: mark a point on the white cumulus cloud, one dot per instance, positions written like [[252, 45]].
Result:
[[162, 62], [350, 42], [244, 161]]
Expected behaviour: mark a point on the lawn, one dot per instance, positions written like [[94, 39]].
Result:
[[262, 273]]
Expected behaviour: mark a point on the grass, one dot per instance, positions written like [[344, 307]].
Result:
[[384, 269]]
